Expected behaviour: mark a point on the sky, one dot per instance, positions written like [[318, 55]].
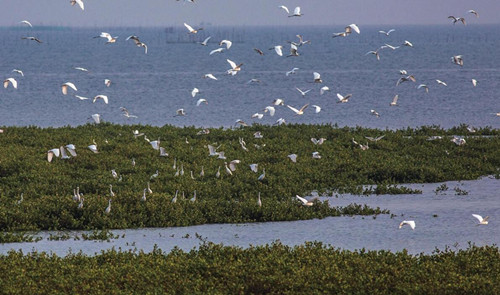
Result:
[[105, 13]]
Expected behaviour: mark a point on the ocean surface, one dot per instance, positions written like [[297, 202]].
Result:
[[153, 86], [443, 219]]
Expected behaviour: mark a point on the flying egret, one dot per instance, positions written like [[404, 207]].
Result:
[[155, 144], [458, 140], [228, 171], [292, 72], [174, 199], [232, 164], [71, 149], [411, 223], [111, 193], [200, 101], [481, 220], [254, 167], [12, 81], [108, 37], [316, 155], [241, 122], [96, 118], [81, 97], [303, 93], [473, 12], [100, 96], [317, 108], [32, 39], [423, 86], [317, 77], [217, 174], [79, 2], [404, 79], [352, 27], [278, 49], [180, 112], [257, 115], [407, 43], [138, 43], [191, 30], [280, 121], [389, 46], [258, 135], [343, 99], [374, 139], [387, 33], [319, 141], [51, 153], [234, 68], [323, 90], [205, 42], [293, 50], [107, 82], [305, 202], [81, 69], [474, 82], [193, 199], [209, 76], [457, 19], [300, 111], [441, 82], [293, 157], [278, 102], [270, 109], [375, 113], [374, 53], [26, 23], [163, 152], [296, 12], [218, 50], [18, 71], [458, 60], [126, 113], [195, 91], [227, 43], [284, 8], [64, 87]]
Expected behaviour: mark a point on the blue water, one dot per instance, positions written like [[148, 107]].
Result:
[[155, 85]]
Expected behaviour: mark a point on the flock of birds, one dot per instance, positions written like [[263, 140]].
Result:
[[69, 150]]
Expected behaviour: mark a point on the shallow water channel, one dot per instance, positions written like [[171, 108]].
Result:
[[443, 218]]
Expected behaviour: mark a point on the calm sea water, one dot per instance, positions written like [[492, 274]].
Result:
[[155, 85], [443, 219]]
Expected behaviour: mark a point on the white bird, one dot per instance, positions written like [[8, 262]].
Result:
[[474, 82], [374, 139], [263, 175], [278, 101], [374, 53], [232, 164], [100, 96], [18, 71], [458, 60], [423, 86], [441, 82], [108, 37], [163, 152], [108, 209], [26, 23], [96, 118], [138, 43], [191, 30], [403, 72], [317, 77], [227, 43], [352, 27], [93, 148], [205, 42], [79, 2], [113, 173], [241, 122], [126, 113], [293, 157], [228, 171], [258, 116], [303, 93], [387, 33], [254, 167], [394, 101], [202, 172], [317, 108], [300, 111], [107, 82], [32, 39], [209, 76], [458, 140], [305, 202], [195, 91], [481, 219], [411, 223], [111, 193], [143, 198], [296, 12], [404, 79], [457, 19], [375, 113], [218, 50], [155, 144], [212, 151], [259, 201], [253, 80], [316, 155], [180, 112], [71, 149], [292, 72], [200, 101], [234, 68], [284, 8], [258, 135], [343, 99], [293, 50], [81, 97], [278, 49], [221, 156], [270, 109], [12, 81], [407, 43], [51, 153], [323, 90], [318, 141], [389, 46], [280, 121], [81, 69], [64, 87], [473, 12]]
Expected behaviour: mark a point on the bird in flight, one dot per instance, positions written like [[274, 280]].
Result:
[[10, 81], [387, 33], [138, 43], [64, 87], [32, 39], [191, 30], [296, 12], [108, 37], [79, 2], [300, 111], [26, 23], [481, 220], [411, 223], [457, 19]]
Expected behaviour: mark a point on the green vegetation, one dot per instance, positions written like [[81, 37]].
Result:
[[402, 156], [311, 268]]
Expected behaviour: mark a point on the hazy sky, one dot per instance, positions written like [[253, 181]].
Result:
[[102, 13]]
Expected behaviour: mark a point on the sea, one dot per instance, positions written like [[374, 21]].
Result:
[[155, 85]]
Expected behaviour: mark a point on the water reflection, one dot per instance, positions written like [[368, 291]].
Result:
[[442, 218]]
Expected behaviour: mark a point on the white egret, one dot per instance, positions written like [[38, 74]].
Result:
[[96, 118], [26, 23], [352, 27], [234, 68], [174, 199], [375, 113], [374, 53], [241, 122], [374, 139], [138, 43], [296, 12], [280, 121], [300, 111], [12, 81], [404, 79], [100, 96], [150, 191], [317, 108], [126, 113], [51, 153], [108, 209], [258, 134], [210, 76], [200, 101], [114, 174], [232, 164], [317, 77], [195, 91], [292, 72], [423, 86], [218, 50], [278, 49], [18, 71], [394, 101], [227, 43], [191, 30], [107, 82], [143, 198], [323, 90], [180, 112], [64, 87], [163, 152], [481, 220], [257, 115], [304, 201], [81, 69], [387, 33], [284, 8], [205, 42], [32, 39], [259, 201], [293, 50], [319, 141], [228, 171], [457, 19], [218, 173], [473, 12], [111, 193], [303, 93], [155, 144], [79, 2], [407, 43], [474, 82], [254, 167], [343, 99], [278, 102], [441, 82], [293, 157], [108, 37], [411, 223], [193, 199], [81, 97]]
